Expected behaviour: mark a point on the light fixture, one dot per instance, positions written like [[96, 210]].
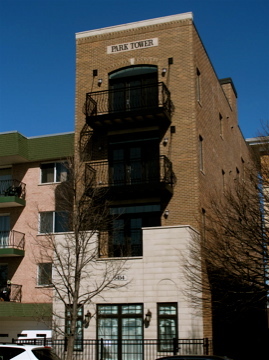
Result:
[[87, 319], [164, 70], [166, 213], [100, 82], [147, 318], [165, 141]]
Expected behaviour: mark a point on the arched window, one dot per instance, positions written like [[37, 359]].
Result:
[[133, 88]]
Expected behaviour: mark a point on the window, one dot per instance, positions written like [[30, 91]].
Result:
[[133, 88], [4, 230], [201, 153], [117, 325], [243, 168], [53, 222], [5, 180], [11, 352], [167, 325], [3, 275], [126, 234], [203, 224], [198, 85], [78, 346], [237, 174], [53, 172], [220, 125], [134, 159], [44, 274], [223, 180]]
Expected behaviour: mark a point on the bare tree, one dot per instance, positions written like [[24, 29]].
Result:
[[78, 273], [227, 271]]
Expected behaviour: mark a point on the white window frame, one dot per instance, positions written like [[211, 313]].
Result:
[[54, 172], [53, 222]]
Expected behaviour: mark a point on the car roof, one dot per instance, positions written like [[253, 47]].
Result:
[[182, 357], [25, 346]]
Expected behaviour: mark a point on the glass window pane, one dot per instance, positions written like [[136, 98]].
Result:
[[167, 309], [107, 309], [47, 173], [45, 274], [46, 222], [61, 172], [61, 221], [132, 309]]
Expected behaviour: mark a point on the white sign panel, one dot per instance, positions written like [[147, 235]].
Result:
[[135, 45]]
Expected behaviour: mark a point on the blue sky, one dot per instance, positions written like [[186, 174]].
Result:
[[37, 54]]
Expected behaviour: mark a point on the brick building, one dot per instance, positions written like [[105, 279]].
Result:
[[30, 168], [159, 131]]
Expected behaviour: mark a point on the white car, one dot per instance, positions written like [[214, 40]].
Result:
[[26, 352]]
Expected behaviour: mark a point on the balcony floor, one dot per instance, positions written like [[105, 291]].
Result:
[[11, 201]]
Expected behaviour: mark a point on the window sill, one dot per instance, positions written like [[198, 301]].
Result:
[[120, 258], [50, 183], [55, 233], [44, 286]]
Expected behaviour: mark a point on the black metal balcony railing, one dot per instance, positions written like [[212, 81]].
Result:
[[12, 239], [101, 173], [132, 349], [134, 98], [12, 187], [11, 292]]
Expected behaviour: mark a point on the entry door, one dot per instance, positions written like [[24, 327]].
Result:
[[127, 165], [121, 328], [5, 182], [4, 230], [3, 275], [134, 88], [134, 164]]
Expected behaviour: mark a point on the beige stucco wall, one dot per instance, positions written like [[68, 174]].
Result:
[[154, 278]]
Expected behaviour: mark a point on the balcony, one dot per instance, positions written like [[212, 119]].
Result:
[[12, 193], [129, 107], [154, 177], [11, 243], [11, 292]]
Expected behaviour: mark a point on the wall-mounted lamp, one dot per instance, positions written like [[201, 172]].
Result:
[[100, 82], [165, 141], [87, 319], [148, 317], [166, 213], [164, 71]]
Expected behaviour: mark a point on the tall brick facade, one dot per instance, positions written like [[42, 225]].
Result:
[[200, 137]]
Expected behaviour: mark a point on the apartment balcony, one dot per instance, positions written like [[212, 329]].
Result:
[[121, 179], [11, 243], [11, 292], [12, 193], [129, 107]]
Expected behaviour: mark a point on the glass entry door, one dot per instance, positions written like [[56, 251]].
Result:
[[4, 230], [135, 163], [133, 88], [121, 329], [3, 275]]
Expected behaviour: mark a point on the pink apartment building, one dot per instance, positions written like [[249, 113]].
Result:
[[30, 169]]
